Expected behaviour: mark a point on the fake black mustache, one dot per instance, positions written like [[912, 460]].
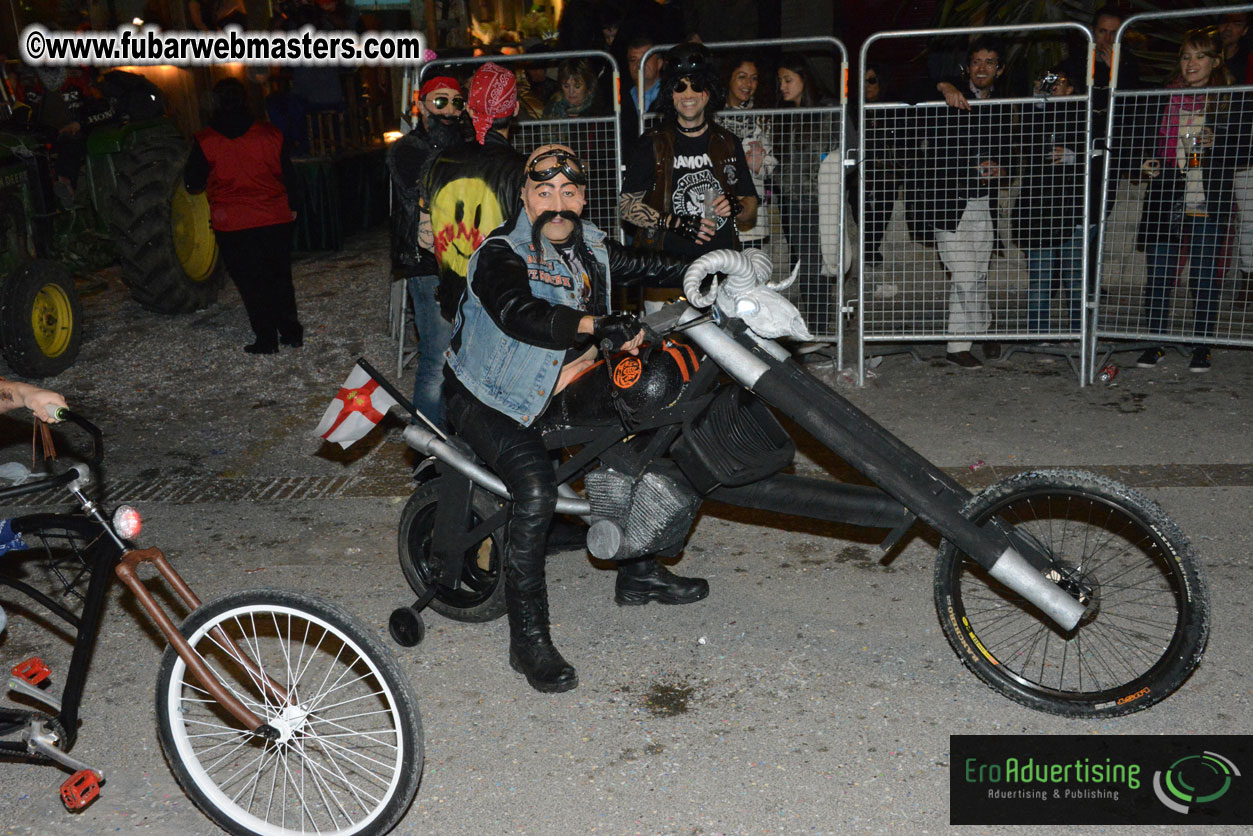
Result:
[[546, 216]]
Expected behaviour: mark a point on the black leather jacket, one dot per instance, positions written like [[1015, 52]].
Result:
[[473, 189], [506, 293]]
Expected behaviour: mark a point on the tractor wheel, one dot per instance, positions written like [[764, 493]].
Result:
[[40, 319], [169, 256]]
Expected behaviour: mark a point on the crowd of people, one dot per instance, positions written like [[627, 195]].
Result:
[[952, 159]]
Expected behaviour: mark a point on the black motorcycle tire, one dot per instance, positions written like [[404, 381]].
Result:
[[481, 595], [1147, 619]]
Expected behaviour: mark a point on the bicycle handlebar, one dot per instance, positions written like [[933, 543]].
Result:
[[97, 437], [73, 471]]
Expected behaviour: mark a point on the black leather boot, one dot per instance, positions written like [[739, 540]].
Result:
[[641, 581], [531, 650]]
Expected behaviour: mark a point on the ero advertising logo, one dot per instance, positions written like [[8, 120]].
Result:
[[1108, 779], [1194, 780]]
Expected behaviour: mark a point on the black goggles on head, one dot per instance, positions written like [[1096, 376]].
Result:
[[681, 84], [551, 163], [441, 102]]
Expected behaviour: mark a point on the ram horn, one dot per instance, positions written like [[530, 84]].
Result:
[[782, 284], [718, 261]]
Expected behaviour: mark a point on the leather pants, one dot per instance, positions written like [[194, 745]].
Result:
[[517, 455]]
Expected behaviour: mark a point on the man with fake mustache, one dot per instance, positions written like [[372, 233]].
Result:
[[535, 308]]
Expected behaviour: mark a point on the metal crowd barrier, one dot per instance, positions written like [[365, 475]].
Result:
[[972, 225], [1177, 213], [1070, 265]]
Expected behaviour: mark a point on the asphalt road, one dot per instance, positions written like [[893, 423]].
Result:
[[812, 692]]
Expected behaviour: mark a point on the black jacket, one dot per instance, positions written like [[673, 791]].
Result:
[[1162, 212], [1050, 204], [502, 285], [473, 189], [408, 159], [946, 149]]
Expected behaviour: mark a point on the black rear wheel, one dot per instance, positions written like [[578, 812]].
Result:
[[481, 594], [1116, 551]]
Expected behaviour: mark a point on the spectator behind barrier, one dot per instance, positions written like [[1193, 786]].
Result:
[[1193, 143], [576, 93], [643, 74], [535, 87], [880, 174], [804, 141], [965, 162], [742, 80], [1048, 216], [1233, 31]]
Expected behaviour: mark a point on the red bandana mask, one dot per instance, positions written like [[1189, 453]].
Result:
[[493, 95]]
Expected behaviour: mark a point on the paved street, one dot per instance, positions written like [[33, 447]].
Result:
[[812, 692]]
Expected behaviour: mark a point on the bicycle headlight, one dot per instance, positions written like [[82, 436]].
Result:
[[127, 522]]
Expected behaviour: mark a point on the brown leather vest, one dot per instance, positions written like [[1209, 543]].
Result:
[[721, 153]]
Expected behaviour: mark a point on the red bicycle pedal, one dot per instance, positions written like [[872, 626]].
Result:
[[33, 671], [80, 789]]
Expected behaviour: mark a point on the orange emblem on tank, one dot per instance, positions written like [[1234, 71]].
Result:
[[627, 372]]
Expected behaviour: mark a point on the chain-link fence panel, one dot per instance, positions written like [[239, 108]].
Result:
[[974, 215], [1177, 241]]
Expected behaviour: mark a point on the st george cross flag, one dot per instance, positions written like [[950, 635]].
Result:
[[358, 406]]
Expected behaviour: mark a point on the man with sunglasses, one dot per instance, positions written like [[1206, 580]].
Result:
[[536, 306], [439, 106], [687, 183]]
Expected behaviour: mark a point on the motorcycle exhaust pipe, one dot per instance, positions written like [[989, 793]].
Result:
[[427, 443], [1013, 570]]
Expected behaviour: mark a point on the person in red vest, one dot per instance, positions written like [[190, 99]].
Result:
[[245, 167]]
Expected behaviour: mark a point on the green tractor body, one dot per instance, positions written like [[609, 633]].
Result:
[[129, 205]]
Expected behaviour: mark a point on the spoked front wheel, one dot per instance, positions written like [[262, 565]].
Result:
[[349, 752], [1147, 615]]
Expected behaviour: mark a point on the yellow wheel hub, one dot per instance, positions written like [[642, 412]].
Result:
[[194, 243], [52, 320]]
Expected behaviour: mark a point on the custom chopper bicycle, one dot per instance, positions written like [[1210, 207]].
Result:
[[1062, 590]]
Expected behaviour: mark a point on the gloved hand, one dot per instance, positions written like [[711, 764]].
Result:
[[684, 226], [617, 329]]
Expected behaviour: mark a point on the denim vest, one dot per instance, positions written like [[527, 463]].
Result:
[[510, 376]]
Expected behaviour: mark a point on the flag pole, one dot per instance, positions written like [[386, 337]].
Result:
[[387, 387]]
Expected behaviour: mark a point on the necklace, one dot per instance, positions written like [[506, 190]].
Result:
[[696, 129]]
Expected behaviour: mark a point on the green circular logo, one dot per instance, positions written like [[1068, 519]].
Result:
[[1193, 780]]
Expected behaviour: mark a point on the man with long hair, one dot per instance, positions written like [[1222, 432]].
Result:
[[687, 185]]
